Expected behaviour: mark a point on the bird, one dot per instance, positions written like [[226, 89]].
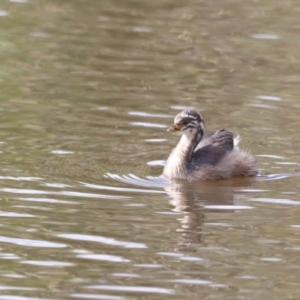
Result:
[[200, 156]]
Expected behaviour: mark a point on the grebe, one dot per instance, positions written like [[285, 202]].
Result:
[[200, 156]]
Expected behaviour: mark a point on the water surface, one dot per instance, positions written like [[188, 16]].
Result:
[[88, 89]]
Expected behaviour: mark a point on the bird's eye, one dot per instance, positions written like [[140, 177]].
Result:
[[185, 122]]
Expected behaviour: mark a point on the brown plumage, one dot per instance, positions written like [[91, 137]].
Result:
[[206, 157]]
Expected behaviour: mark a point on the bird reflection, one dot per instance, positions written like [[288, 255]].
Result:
[[190, 199]]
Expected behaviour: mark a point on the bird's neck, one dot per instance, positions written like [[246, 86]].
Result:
[[179, 160]]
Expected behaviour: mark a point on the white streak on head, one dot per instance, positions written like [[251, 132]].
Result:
[[236, 141]]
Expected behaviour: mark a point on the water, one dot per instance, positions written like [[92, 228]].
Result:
[[88, 89]]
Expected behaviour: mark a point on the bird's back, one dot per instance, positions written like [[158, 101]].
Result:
[[213, 147], [218, 156]]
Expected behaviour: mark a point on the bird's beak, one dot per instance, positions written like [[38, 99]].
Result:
[[174, 128]]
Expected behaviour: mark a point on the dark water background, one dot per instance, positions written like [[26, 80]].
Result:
[[88, 89]]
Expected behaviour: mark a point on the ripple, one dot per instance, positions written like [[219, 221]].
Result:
[[98, 297], [103, 108], [127, 275], [155, 140], [161, 182], [271, 156], [61, 152], [46, 263], [39, 34], [102, 240], [270, 259], [12, 297], [47, 200], [104, 257], [3, 13], [228, 207], [141, 29], [112, 188], [265, 36], [191, 281], [149, 266], [150, 182], [171, 254], [219, 224], [88, 195], [21, 178], [15, 215], [8, 256], [253, 191], [31, 243], [181, 107], [136, 204], [275, 176], [17, 288], [146, 124], [12, 275], [57, 185], [156, 163], [190, 258], [64, 193], [247, 277], [276, 201], [138, 289], [269, 98], [145, 114]]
